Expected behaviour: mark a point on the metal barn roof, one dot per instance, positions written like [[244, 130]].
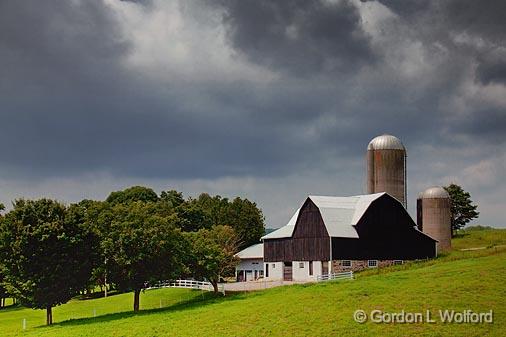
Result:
[[339, 215], [252, 252]]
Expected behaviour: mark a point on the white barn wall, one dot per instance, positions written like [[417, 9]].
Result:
[[301, 274], [298, 274], [251, 264], [276, 273]]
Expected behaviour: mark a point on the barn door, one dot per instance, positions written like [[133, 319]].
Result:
[[287, 271], [325, 267]]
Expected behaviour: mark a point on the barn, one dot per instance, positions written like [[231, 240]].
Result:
[[333, 234], [251, 264]]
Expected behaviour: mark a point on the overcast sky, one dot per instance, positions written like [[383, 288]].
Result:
[[269, 100]]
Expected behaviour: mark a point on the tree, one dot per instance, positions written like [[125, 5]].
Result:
[[142, 246], [131, 194], [462, 208], [173, 197], [191, 217], [3, 291], [43, 253], [83, 214], [212, 253], [241, 214], [247, 220]]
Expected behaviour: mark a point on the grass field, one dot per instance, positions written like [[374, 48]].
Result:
[[459, 280]]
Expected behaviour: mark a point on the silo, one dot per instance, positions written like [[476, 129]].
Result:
[[434, 216], [386, 167]]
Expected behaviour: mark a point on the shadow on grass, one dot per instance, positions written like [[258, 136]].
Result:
[[180, 306], [98, 294], [12, 307]]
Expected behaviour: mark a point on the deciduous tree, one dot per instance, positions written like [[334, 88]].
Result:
[[462, 208], [143, 246], [131, 194], [44, 254], [212, 253]]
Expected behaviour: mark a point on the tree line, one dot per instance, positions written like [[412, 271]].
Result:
[[50, 252]]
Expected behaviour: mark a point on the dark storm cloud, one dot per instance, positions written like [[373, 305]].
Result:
[[492, 68], [92, 87], [71, 105], [57, 44], [482, 22], [302, 37]]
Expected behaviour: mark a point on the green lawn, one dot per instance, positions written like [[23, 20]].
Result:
[[460, 280], [474, 237]]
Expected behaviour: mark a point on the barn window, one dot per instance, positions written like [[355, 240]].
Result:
[[301, 264], [398, 261], [266, 270], [310, 268], [372, 263], [346, 263], [273, 265]]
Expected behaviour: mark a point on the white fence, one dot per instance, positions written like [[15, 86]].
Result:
[[188, 284], [347, 275]]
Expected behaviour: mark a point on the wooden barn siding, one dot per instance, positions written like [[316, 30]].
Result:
[[310, 223], [310, 240], [386, 232]]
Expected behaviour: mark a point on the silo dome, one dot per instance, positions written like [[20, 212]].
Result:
[[433, 210], [386, 142], [386, 167], [435, 192]]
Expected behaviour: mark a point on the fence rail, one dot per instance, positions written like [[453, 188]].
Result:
[[188, 284], [347, 275]]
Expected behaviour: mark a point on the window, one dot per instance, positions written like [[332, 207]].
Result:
[[346, 263], [266, 270], [310, 268], [372, 263], [273, 265], [301, 264], [254, 262], [396, 262]]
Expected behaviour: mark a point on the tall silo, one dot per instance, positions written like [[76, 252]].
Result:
[[434, 216], [386, 167]]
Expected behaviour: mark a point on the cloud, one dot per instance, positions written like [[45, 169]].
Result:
[[301, 37], [270, 100]]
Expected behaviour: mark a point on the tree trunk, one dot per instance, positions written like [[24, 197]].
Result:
[[137, 292], [49, 315], [215, 286]]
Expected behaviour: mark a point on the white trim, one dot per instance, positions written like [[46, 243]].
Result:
[[346, 266], [375, 265]]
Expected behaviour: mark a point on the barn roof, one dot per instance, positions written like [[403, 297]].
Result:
[[339, 215], [252, 252]]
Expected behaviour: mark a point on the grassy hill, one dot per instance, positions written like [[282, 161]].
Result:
[[460, 280]]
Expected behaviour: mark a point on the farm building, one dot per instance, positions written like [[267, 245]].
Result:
[[251, 265], [333, 234]]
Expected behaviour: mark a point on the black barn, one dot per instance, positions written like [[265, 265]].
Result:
[[368, 227]]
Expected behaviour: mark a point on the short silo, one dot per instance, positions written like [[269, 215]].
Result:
[[434, 216], [386, 167]]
